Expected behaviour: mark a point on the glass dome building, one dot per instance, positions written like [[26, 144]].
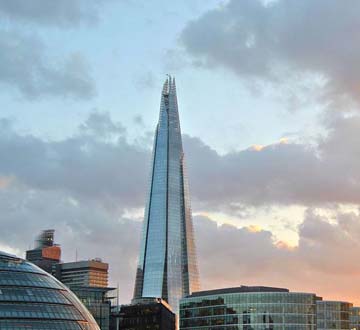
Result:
[[32, 299]]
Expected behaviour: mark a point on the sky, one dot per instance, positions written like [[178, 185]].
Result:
[[268, 93]]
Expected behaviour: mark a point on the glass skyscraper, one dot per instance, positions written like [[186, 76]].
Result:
[[167, 266]]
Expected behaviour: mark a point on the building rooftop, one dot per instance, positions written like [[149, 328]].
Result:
[[149, 301], [93, 263], [238, 289]]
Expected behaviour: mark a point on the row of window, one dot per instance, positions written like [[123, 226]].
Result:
[[253, 327], [44, 325], [249, 298], [245, 320], [39, 311], [28, 279], [246, 309], [11, 294], [19, 266]]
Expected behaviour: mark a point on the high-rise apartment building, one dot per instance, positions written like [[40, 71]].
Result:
[[46, 254], [167, 266]]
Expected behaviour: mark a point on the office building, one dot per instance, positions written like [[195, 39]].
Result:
[[150, 313], [98, 303], [248, 308], [88, 279], [355, 318], [46, 254], [167, 265], [92, 273], [31, 298], [333, 315]]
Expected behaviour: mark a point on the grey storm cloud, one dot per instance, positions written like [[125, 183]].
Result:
[[64, 13], [281, 41], [25, 68]]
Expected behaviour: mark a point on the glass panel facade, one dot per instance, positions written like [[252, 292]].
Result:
[[40, 325], [30, 298], [333, 315], [27, 279], [167, 264], [11, 294], [249, 311], [355, 318]]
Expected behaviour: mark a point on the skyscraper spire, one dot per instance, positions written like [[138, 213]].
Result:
[[167, 263]]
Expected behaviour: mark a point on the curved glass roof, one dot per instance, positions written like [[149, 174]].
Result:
[[32, 299]]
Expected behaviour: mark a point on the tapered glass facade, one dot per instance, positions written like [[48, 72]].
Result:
[[248, 308], [30, 298], [167, 266]]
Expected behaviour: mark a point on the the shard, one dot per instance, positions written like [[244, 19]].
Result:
[[167, 265]]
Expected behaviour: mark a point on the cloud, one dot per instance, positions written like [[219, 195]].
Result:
[[101, 163], [325, 255], [323, 262], [280, 173], [25, 68], [91, 188], [65, 13], [81, 226], [96, 163], [282, 42]]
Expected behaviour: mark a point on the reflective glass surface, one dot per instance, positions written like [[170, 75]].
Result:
[[167, 264], [40, 325], [355, 318], [30, 298], [249, 311], [333, 315]]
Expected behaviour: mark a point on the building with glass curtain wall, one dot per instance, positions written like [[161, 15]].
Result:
[[333, 315], [98, 303], [88, 279], [150, 313], [248, 308], [355, 318], [30, 298], [167, 266]]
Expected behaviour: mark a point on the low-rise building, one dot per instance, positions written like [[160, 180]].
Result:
[[333, 315], [147, 313], [248, 308], [355, 318]]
